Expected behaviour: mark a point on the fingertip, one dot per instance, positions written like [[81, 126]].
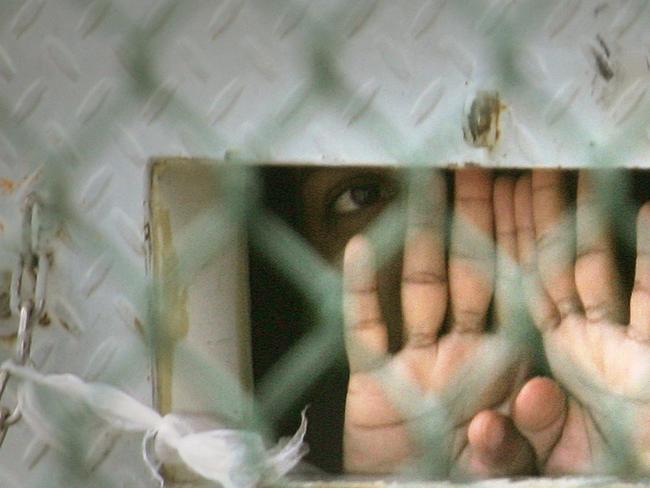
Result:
[[639, 329], [585, 185], [541, 178], [643, 219], [427, 200], [524, 219], [497, 448], [504, 184], [523, 192], [359, 265], [358, 251], [540, 404], [436, 189], [486, 431], [356, 246], [643, 229], [473, 182], [504, 188]]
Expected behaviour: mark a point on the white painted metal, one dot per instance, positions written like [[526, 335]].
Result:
[[226, 75]]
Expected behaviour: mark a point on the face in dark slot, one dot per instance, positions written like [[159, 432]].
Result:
[[339, 203]]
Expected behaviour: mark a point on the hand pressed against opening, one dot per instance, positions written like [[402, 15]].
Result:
[[602, 366], [394, 402]]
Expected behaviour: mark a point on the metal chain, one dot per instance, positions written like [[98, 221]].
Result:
[[27, 301]]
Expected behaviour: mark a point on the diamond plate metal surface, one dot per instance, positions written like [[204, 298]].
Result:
[[71, 85], [26, 16]]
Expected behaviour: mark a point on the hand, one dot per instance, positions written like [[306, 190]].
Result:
[[441, 402], [598, 418]]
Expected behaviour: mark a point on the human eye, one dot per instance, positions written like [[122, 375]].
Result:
[[362, 194]]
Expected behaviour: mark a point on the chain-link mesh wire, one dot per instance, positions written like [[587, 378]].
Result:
[[240, 183]]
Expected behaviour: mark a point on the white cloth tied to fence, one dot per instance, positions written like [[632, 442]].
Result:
[[234, 458]]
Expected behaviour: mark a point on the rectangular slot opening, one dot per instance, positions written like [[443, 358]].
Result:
[[247, 264]]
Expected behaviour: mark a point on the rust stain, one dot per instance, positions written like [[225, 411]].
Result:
[[5, 284], [481, 127], [5, 310], [8, 186], [45, 320]]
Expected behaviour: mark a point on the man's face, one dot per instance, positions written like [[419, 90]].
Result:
[[340, 202]]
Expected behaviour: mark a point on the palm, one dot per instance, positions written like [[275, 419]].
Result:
[[422, 401], [388, 434], [602, 368], [606, 355], [599, 420]]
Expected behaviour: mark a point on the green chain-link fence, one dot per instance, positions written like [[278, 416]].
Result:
[[508, 113]]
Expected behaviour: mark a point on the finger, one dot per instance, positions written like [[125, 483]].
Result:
[[506, 282], [424, 275], [471, 261], [539, 413], [365, 331], [497, 448], [555, 240], [595, 270], [639, 327], [542, 309]]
